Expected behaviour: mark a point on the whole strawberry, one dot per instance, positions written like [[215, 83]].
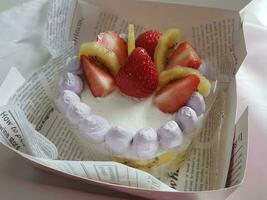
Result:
[[148, 40], [138, 77]]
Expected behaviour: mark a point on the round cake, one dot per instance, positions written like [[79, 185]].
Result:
[[139, 101]]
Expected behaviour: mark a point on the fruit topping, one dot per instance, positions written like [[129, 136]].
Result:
[[148, 40], [100, 82], [166, 42], [178, 72], [187, 119], [101, 55], [131, 39], [113, 42], [184, 55], [176, 94], [138, 77]]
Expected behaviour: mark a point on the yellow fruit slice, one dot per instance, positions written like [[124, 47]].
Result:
[[148, 165], [166, 41], [131, 39], [179, 72], [101, 55], [170, 159]]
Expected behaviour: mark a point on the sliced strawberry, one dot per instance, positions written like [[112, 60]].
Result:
[[185, 55], [148, 40], [175, 95], [100, 82], [138, 77], [112, 41]]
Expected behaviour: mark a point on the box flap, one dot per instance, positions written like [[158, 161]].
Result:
[[239, 152], [236, 5]]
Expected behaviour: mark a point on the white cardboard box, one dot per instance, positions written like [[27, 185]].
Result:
[[67, 20]]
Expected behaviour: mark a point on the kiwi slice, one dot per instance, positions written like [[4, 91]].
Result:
[[101, 55], [178, 72], [166, 42]]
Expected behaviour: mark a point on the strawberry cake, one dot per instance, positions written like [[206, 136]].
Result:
[[139, 101]]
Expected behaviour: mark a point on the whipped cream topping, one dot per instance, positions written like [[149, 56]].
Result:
[[94, 128], [197, 103], [78, 112], [145, 143], [118, 140], [170, 135], [73, 65], [187, 119], [66, 99], [70, 81]]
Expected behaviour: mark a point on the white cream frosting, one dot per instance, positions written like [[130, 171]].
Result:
[[123, 111]]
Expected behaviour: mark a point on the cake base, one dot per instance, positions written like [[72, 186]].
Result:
[[159, 166], [163, 163]]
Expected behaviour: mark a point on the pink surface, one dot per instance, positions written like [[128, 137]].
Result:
[[252, 91]]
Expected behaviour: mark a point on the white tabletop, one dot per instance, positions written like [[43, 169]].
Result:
[[29, 183]]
